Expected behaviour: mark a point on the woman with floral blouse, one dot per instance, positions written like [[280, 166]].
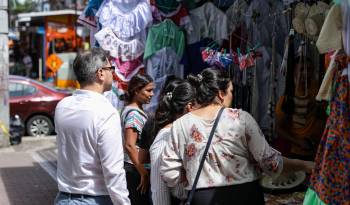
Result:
[[237, 155]]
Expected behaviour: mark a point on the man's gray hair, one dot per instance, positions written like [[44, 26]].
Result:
[[86, 64]]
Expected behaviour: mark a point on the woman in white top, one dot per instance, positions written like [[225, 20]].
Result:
[[172, 105], [237, 154]]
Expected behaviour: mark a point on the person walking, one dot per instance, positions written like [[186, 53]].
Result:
[[230, 169], [90, 164], [133, 119], [173, 104]]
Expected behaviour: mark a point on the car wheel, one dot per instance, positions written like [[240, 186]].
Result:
[[39, 125]]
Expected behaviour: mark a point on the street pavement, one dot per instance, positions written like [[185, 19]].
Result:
[[25, 177], [28, 175]]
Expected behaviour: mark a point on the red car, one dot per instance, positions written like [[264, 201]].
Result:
[[35, 103]]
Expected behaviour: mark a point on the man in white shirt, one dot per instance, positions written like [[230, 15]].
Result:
[[90, 164]]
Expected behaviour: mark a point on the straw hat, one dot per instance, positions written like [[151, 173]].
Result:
[[309, 20], [313, 24], [316, 17]]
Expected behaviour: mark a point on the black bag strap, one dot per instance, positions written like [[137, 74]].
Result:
[[190, 196]]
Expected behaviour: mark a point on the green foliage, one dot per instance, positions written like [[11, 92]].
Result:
[[16, 7]]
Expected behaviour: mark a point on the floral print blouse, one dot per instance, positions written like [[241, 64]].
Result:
[[237, 154]]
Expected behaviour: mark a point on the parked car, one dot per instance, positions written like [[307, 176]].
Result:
[[35, 104]]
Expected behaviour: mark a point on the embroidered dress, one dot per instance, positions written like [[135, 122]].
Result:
[[127, 67], [165, 34], [331, 177], [236, 155], [126, 18], [163, 63], [126, 50], [127, 78], [208, 22]]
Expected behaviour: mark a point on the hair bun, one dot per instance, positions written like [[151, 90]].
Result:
[[195, 80]]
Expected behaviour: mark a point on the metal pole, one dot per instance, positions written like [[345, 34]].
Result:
[[4, 68]]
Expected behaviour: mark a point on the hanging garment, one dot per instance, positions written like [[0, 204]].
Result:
[[126, 50], [325, 90], [162, 64], [208, 22], [167, 6], [180, 17], [125, 18], [346, 31], [127, 78], [127, 67], [331, 176], [236, 14], [165, 34], [87, 21], [92, 7], [330, 37], [195, 62]]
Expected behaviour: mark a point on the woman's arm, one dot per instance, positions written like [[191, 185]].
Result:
[[171, 162], [130, 148], [144, 157], [293, 165]]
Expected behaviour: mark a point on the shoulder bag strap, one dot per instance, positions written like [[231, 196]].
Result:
[[189, 199]]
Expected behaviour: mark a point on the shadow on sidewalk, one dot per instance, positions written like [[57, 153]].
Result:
[[26, 185]]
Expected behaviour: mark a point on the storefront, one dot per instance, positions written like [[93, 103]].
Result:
[[52, 32]]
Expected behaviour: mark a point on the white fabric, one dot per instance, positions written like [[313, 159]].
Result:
[[208, 22], [126, 18], [90, 157], [162, 64], [330, 37], [126, 50], [238, 145], [325, 91], [160, 191], [114, 100]]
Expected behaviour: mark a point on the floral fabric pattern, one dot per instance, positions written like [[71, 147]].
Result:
[[331, 176], [236, 155]]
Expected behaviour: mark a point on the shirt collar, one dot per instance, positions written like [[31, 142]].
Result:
[[89, 93]]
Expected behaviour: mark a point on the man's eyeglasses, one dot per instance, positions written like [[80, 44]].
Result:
[[111, 68]]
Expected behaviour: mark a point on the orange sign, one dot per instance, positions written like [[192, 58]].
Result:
[[53, 62]]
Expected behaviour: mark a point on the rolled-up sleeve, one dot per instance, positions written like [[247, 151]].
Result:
[[171, 164], [269, 159], [110, 150]]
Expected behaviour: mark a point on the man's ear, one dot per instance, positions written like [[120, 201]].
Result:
[[99, 74]]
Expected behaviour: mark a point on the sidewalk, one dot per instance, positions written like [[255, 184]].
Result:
[[27, 174], [22, 180]]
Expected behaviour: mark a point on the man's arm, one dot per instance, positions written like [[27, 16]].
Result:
[[110, 149]]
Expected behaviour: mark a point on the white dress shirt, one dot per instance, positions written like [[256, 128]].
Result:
[[90, 148]]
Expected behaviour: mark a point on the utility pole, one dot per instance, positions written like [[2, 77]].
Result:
[[4, 73]]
